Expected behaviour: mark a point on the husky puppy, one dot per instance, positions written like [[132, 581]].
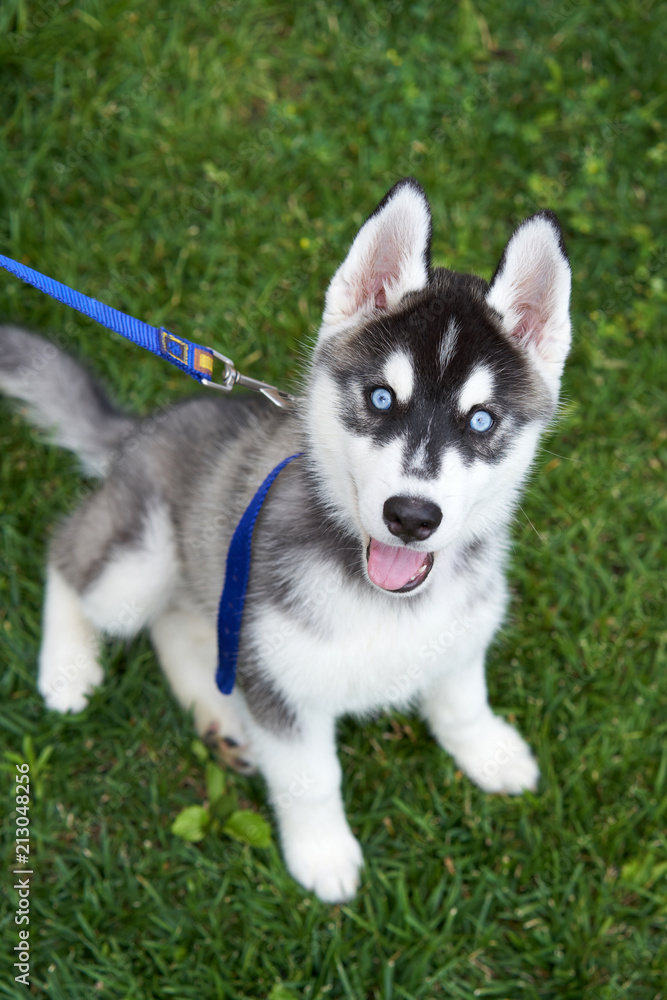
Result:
[[377, 578]]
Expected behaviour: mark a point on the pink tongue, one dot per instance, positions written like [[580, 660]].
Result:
[[390, 567]]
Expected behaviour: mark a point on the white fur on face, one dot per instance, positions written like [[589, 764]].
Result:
[[418, 459], [399, 375], [329, 443], [478, 388], [379, 475], [448, 343]]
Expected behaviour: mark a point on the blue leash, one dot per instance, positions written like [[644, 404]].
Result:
[[196, 361], [191, 358]]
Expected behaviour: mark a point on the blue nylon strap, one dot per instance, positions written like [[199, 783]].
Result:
[[195, 360], [230, 610]]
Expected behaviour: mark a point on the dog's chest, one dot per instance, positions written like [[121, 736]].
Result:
[[359, 652]]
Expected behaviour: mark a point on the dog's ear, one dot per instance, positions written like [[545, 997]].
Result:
[[531, 291], [389, 257]]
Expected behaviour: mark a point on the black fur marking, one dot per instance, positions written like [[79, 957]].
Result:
[[264, 700], [314, 533]]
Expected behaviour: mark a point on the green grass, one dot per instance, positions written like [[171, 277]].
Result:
[[205, 166]]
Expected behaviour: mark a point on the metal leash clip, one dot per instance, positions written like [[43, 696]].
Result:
[[232, 377]]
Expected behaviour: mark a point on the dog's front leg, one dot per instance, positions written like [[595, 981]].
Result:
[[485, 747], [304, 777]]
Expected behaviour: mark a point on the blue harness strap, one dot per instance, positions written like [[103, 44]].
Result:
[[195, 360], [232, 600]]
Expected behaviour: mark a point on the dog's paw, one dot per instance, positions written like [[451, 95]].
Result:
[[69, 688], [323, 857], [498, 759], [230, 752], [219, 725]]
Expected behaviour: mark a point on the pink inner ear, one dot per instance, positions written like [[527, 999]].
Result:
[[370, 289], [380, 268], [524, 327], [530, 325]]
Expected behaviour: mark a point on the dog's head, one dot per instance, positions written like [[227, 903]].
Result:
[[429, 389]]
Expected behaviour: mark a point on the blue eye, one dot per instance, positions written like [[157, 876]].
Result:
[[382, 399], [481, 421]]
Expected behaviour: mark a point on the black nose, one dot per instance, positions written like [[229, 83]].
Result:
[[411, 519]]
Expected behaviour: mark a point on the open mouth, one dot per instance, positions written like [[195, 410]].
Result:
[[397, 569]]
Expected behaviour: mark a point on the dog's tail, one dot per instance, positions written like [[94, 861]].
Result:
[[62, 397]]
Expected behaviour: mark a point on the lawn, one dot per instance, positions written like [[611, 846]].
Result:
[[205, 166]]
